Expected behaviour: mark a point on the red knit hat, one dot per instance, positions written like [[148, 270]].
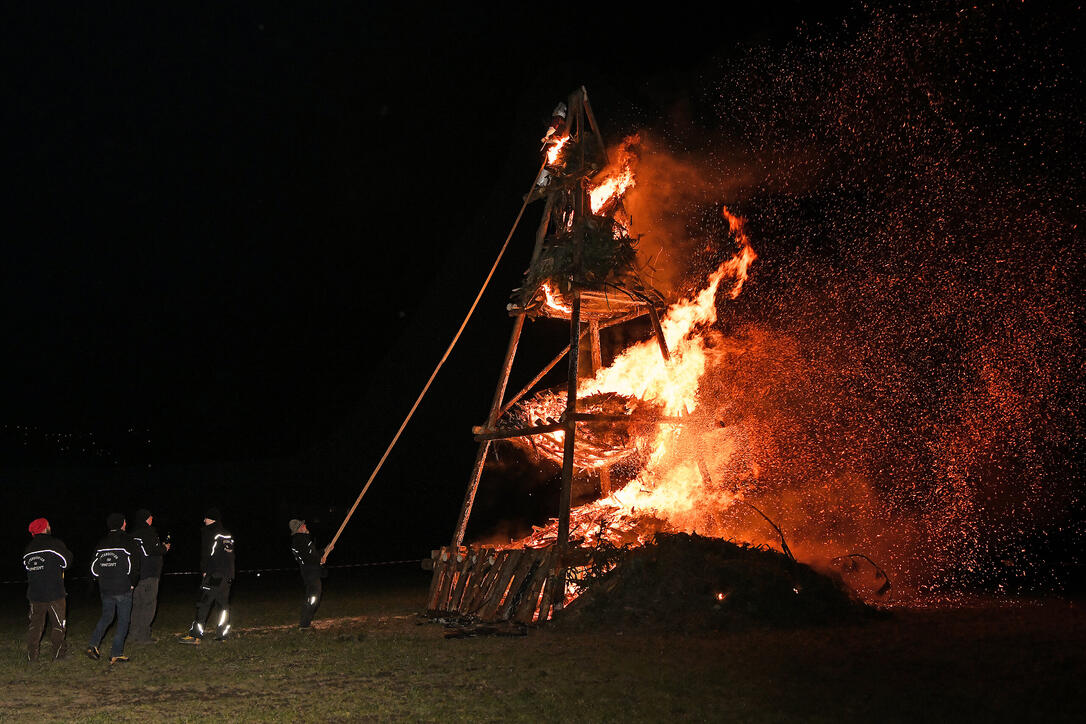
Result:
[[38, 526]]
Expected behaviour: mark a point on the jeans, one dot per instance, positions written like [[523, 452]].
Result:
[[119, 605]]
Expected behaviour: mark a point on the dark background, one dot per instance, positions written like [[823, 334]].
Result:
[[239, 239]]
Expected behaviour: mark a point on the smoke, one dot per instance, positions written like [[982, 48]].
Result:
[[902, 371], [674, 210]]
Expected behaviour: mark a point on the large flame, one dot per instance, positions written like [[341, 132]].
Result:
[[674, 486], [617, 178]]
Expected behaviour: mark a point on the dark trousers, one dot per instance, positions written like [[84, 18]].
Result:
[[144, 603], [119, 605], [210, 596], [55, 614], [312, 598]]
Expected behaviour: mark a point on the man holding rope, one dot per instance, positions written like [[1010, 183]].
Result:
[[309, 563]]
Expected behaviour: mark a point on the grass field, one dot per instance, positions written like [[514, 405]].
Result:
[[372, 658]]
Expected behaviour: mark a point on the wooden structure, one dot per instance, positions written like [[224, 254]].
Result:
[[529, 584]]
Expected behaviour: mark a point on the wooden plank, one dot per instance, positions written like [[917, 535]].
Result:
[[525, 568], [492, 564], [476, 576], [451, 567], [550, 586], [441, 568], [494, 599], [529, 603], [463, 575]]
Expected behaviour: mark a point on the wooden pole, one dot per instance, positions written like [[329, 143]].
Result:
[[496, 409], [658, 330], [597, 357], [569, 443], [597, 365], [484, 447], [592, 122]]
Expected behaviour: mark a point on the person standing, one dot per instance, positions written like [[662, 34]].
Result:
[[217, 567], [45, 559], [309, 562], [116, 565], [145, 597]]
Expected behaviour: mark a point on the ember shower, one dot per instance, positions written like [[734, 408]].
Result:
[[899, 375]]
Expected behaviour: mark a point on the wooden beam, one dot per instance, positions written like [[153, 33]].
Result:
[[592, 123], [484, 447], [570, 441], [597, 356], [487, 434], [659, 332]]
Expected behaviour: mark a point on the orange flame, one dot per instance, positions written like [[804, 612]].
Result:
[[737, 266], [554, 301], [555, 149], [671, 486], [617, 178]]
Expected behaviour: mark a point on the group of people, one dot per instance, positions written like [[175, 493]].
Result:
[[127, 565]]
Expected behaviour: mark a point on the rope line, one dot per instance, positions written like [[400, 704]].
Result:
[[448, 351], [257, 570]]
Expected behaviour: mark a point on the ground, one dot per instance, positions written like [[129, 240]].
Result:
[[373, 658]]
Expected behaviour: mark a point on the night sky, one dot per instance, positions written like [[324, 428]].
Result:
[[239, 239]]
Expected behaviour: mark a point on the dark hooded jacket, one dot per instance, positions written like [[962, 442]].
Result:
[[116, 563], [45, 560], [217, 552], [306, 555], [151, 550]]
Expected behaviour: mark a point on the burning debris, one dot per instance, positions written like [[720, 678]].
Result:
[[618, 426], [688, 582]]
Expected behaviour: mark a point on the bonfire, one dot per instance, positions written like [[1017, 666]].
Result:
[[643, 411]]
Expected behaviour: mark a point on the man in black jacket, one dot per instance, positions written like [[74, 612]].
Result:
[[145, 597], [45, 560], [217, 567], [309, 562], [116, 565]]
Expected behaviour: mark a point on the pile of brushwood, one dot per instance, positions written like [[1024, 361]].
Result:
[[689, 582]]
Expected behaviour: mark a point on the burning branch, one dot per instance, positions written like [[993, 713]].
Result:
[[784, 543]]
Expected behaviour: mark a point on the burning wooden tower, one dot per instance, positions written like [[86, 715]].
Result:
[[583, 270]]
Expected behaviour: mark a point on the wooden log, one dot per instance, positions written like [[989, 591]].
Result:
[[605, 480], [509, 567]]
